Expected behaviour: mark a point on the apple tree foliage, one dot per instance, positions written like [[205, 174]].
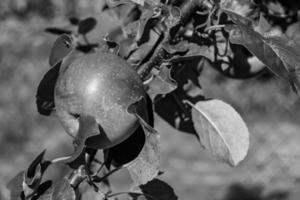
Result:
[[167, 43]]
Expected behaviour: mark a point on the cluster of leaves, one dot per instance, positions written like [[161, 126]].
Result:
[[168, 43]]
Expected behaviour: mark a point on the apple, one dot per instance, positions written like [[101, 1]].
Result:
[[101, 85]]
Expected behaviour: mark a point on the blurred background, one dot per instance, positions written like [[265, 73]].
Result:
[[271, 171]]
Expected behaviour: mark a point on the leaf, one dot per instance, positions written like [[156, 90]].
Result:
[[61, 190], [146, 166], [178, 114], [158, 190], [45, 92], [74, 20], [57, 31], [86, 25], [278, 53], [15, 186], [88, 127], [242, 7], [62, 46], [86, 48], [221, 130], [129, 149], [162, 83]]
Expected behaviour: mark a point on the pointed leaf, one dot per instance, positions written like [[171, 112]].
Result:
[[62, 46], [221, 130], [146, 166], [88, 127], [45, 92], [158, 190], [57, 31], [86, 25], [278, 53]]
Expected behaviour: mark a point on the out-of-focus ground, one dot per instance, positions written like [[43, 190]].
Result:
[[269, 107]]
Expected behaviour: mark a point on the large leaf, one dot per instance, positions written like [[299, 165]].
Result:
[[221, 130], [146, 166], [279, 54], [155, 190]]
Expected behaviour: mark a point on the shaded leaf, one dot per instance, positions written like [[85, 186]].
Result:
[[57, 31], [88, 127], [158, 190], [45, 92], [129, 149], [221, 130], [146, 166], [62, 46], [86, 48], [74, 20], [86, 25], [178, 114], [279, 54]]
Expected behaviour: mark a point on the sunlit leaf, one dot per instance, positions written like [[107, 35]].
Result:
[[162, 83], [62, 46], [146, 166], [86, 25], [221, 130]]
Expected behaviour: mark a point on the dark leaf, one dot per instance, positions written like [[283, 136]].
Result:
[[86, 48], [62, 46], [276, 51], [178, 114], [158, 190], [74, 20], [129, 149], [43, 189], [146, 166], [86, 25], [32, 167], [57, 31], [45, 91]]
